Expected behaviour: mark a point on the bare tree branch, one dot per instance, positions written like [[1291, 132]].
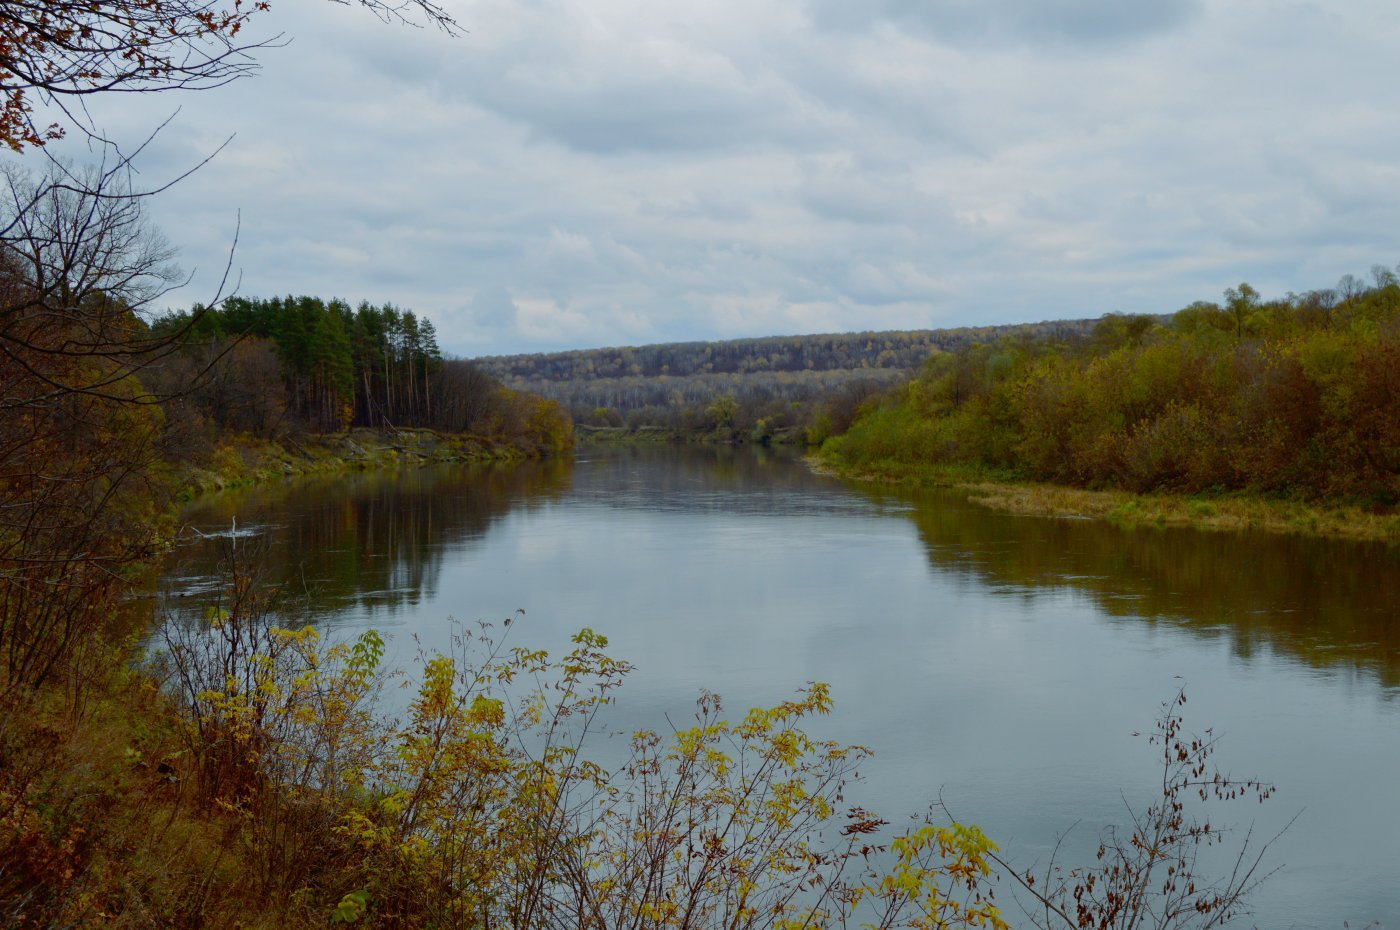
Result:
[[55, 51]]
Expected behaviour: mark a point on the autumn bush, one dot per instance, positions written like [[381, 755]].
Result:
[[481, 807]]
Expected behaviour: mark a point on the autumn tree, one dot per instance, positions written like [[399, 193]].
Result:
[[78, 262], [1241, 302], [722, 410]]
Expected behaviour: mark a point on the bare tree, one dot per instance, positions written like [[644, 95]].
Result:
[[1149, 876], [77, 262], [61, 51], [81, 261]]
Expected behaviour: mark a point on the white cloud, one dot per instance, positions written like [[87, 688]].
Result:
[[639, 170]]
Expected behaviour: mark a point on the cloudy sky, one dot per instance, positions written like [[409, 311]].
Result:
[[572, 174]]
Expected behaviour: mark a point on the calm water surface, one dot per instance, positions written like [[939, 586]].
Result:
[[1001, 662]]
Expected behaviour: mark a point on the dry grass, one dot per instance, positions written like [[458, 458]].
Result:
[[1221, 513], [98, 826], [1229, 514]]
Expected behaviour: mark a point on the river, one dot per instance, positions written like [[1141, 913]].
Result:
[[1002, 663]]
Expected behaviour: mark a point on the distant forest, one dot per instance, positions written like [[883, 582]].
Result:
[[281, 365], [754, 386]]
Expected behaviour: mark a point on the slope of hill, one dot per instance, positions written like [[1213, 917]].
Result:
[[775, 382]]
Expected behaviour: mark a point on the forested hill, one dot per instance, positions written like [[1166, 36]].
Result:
[[904, 350], [1297, 396], [752, 386]]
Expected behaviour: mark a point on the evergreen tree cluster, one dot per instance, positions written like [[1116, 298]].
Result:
[[278, 365], [368, 366]]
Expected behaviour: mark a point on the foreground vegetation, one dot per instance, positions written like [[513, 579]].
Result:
[[282, 799], [247, 779], [1292, 400]]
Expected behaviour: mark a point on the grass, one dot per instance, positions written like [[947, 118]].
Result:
[[242, 460], [1229, 514], [1233, 512]]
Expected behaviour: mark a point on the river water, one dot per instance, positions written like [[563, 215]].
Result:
[[1001, 663]]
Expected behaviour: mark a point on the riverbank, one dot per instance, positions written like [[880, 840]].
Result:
[[104, 819], [723, 436], [1235, 512], [239, 460]]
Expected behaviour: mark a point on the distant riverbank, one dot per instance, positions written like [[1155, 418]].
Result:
[[709, 436], [1231, 512], [242, 460]]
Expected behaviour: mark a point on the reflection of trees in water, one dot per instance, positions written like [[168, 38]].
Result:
[[377, 541], [1327, 603], [678, 478], [371, 540]]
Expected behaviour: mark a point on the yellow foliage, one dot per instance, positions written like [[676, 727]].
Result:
[[480, 806]]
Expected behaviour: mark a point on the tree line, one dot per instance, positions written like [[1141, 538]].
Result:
[[779, 400], [899, 349], [272, 365], [1298, 395]]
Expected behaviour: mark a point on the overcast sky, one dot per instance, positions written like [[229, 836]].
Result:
[[613, 172]]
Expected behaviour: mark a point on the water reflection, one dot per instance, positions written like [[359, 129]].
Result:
[[681, 479], [368, 543], [1325, 603], [377, 542]]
